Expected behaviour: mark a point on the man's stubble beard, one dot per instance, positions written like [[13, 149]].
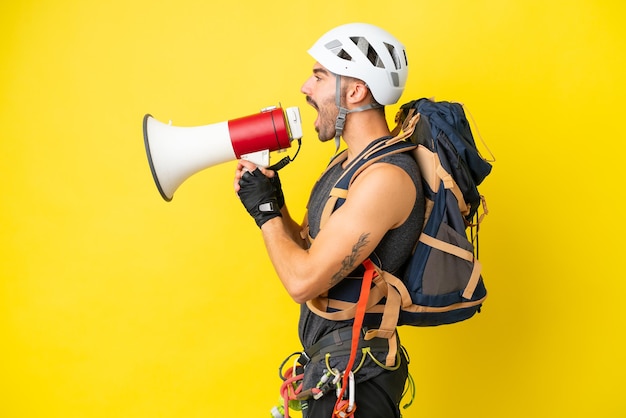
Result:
[[327, 116]]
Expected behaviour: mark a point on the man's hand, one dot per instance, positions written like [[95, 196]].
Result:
[[259, 196]]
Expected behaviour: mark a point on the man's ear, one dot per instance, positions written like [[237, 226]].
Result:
[[357, 93]]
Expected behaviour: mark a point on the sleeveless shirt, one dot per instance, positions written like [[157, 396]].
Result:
[[391, 253]]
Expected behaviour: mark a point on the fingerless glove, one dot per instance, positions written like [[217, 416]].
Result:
[[258, 195]]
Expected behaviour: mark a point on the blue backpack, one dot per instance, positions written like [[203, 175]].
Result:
[[443, 275], [442, 281]]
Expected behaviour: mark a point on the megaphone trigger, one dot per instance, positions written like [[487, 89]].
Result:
[[260, 158]]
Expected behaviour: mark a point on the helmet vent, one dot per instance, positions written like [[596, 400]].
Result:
[[395, 79], [344, 55], [335, 48], [367, 50], [394, 55]]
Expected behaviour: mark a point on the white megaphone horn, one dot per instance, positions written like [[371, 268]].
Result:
[[176, 153]]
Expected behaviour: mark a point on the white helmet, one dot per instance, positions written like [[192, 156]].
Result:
[[368, 53]]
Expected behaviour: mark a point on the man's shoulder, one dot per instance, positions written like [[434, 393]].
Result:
[[403, 160]]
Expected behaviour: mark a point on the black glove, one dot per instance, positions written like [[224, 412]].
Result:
[[258, 195]]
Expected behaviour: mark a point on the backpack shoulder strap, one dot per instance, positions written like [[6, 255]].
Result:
[[371, 155]]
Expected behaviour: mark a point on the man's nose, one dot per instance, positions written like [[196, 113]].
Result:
[[305, 89]]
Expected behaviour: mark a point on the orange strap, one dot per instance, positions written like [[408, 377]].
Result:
[[370, 270]]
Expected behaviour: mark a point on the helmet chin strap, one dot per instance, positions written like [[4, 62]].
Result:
[[343, 112]]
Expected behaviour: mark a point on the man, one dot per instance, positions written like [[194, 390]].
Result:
[[359, 68]]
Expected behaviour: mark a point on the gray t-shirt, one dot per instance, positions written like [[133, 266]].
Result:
[[391, 254]]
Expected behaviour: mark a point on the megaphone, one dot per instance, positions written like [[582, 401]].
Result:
[[176, 153]]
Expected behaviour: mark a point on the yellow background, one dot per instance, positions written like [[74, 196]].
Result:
[[116, 304]]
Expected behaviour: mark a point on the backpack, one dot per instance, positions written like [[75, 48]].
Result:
[[441, 282]]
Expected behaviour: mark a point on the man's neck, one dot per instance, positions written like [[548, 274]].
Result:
[[361, 129]]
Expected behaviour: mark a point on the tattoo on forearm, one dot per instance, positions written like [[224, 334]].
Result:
[[347, 265]]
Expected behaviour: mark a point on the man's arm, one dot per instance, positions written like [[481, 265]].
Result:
[[380, 199], [293, 228]]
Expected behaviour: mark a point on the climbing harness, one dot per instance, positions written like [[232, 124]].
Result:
[[331, 345], [328, 346]]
